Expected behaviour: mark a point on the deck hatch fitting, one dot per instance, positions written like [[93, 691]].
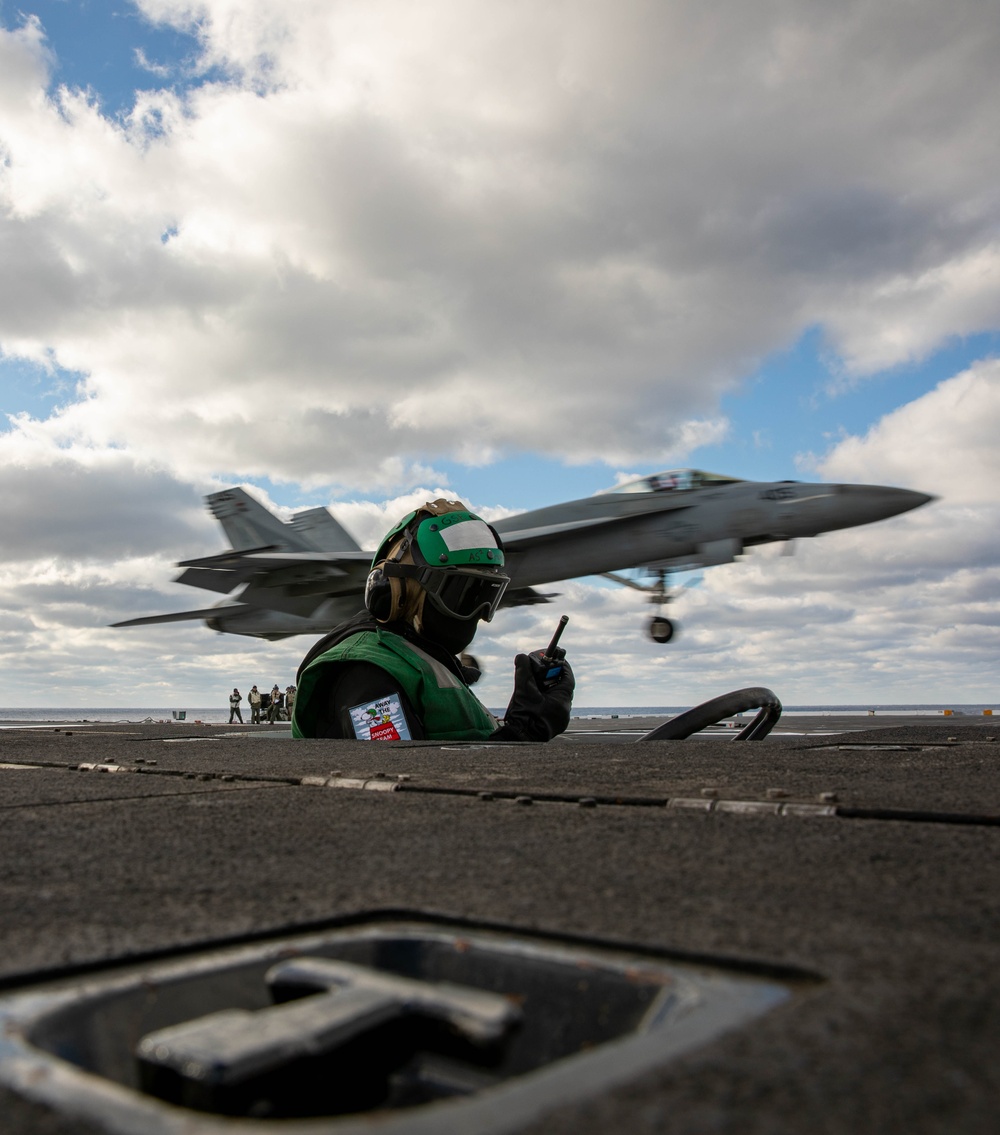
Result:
[[394, 1027]]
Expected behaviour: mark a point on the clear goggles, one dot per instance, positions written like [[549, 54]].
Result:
[[460, 594]]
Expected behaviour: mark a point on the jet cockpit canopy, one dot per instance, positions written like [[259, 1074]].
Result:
[[674, 480]]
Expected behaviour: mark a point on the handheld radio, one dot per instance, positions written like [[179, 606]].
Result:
[[548, 662]]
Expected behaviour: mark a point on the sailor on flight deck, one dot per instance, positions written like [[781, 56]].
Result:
[[391, 673]]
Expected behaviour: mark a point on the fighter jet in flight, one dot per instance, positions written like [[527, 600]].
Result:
[[307, 575]]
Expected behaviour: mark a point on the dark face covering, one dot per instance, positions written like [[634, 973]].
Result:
[[453, 634]]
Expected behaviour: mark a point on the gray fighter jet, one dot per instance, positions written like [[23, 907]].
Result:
[[308, 575]]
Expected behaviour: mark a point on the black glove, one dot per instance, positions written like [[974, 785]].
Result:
[[471, 670], [534, 713]]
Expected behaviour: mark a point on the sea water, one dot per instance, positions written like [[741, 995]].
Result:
[[214, 715]]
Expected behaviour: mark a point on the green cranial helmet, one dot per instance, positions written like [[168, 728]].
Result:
[[454, 555]]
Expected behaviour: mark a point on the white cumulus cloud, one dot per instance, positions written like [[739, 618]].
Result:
[[377, 236], [394, 232]]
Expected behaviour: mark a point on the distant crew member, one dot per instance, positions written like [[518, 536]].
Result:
[[392, 672], [289, 701], [274, 709], [254, 699], [234, 706]]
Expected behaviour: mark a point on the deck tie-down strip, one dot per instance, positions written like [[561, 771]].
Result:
[[402, 783], [741, 807], [381, 783]]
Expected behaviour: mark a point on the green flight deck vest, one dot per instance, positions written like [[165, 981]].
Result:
[[448, 709]]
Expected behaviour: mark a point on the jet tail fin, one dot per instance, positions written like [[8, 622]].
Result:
[[252, 528], [248, 524], [324, 531]]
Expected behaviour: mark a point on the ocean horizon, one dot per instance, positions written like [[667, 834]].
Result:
[[214, 715]]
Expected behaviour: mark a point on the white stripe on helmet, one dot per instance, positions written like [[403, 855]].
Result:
[[468, 534]]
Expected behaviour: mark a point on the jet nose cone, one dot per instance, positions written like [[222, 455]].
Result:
[[915, 500], [862, 504]]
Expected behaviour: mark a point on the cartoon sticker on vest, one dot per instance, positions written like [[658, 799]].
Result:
[[380, 720]]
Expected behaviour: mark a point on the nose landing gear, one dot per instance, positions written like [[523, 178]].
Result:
[[661, 629]]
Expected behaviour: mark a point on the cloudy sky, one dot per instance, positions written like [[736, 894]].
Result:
[[346, 252]]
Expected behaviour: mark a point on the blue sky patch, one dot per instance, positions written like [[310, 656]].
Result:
[[109, 47], [27, 387], [788, 407]]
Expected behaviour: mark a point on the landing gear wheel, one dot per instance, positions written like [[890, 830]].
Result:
[[661, 629]]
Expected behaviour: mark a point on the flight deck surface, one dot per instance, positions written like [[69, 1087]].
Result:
[[865, 862]]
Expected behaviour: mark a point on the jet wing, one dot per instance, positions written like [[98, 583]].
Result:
[[182, 616], [228, 559], [267, 559], [526, 597], [223, 573], [211, 579], [330, 561]]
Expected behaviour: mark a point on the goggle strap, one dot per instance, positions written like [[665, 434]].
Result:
[[402, 571]]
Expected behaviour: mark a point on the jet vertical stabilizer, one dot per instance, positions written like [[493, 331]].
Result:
[[249, 525], [323, 531]]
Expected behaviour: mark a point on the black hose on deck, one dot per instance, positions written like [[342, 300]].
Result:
[[711, 712]]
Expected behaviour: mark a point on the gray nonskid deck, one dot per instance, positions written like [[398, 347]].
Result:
[[869, 858]]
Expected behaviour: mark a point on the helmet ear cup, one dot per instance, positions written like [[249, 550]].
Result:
[[378, 595], [384, 596]]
